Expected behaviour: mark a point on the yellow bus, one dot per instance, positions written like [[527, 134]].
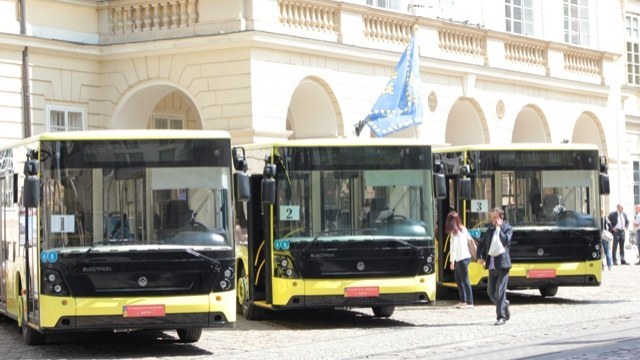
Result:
[[336, 224], [550, 194], [117, 231]]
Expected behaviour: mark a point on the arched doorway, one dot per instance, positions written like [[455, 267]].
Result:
[[466, 124], [152, 105], [313, 111], [530, 126]]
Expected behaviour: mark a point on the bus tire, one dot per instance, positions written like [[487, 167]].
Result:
[[242, 290], [548, 291], [29, 335], [32, 336], [383, 311], [189, 335], [243, 303]]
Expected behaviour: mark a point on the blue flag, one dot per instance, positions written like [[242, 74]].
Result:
[[399, 106]]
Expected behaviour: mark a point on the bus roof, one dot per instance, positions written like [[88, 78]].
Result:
[[341, 142], [516, 147], [139, 134], [128, 134]]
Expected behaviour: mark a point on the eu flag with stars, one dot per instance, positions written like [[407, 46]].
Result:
[[399, 106]]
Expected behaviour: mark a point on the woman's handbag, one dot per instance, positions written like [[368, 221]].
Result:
[[473, 247], [607, 235]]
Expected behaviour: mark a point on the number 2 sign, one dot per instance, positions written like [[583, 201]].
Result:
[[289, 213]]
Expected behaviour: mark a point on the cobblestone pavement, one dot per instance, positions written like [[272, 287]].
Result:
[[579, 323]]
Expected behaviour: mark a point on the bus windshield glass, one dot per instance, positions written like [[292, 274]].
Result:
[[549, 188], [332, 196], [135, 193]]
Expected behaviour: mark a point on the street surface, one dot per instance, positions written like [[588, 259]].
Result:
[[579, 323]]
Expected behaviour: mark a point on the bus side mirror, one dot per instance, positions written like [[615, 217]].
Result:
[[31, 192], [243, 189], [15, 188], [604, 184], [464, 188], [440, 185], [268, 191], [239, 159], [268, 194]]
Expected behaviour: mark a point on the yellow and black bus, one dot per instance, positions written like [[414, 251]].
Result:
[[336, 224], [551, 196], [117, 231]]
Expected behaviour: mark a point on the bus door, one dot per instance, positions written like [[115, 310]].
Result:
[[257, 246], [3, 250], [444, 206]]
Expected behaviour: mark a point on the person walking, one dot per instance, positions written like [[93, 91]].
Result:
[[606, 243], [459, 258], [493, 254], [636, 229], [619, 225]]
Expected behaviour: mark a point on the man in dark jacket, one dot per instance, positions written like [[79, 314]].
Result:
[[619, 226], [493, 254]]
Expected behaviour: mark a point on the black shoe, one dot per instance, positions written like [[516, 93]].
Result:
[[507, 312], [615, 263], [638, 263], [624, 263], [500, 321]]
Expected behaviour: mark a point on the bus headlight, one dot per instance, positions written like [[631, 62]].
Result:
[[225, 280], [53, 284], [428, 265], [284, 267]]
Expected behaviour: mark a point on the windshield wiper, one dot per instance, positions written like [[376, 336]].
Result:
[[337, 231], [216, 264], [84, 254], [304, 250], [406, 243], [403, 242]]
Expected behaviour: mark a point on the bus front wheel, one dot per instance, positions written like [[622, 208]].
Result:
[[244, 305], [189, 335], [29, 335], [383, 311], [548, 291]]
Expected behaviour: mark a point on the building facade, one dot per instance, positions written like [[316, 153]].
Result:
[[492, 71]]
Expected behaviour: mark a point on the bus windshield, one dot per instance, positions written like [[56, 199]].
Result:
[[133, 193], [373, 202], [535, 191]]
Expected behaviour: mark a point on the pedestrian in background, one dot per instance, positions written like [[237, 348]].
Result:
[[459, 258], [606, 243], [493, 254], [636, 229], [619, 225]]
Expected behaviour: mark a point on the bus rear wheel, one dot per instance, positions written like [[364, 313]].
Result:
[[548, 291], [189, 335], [383, 311]]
